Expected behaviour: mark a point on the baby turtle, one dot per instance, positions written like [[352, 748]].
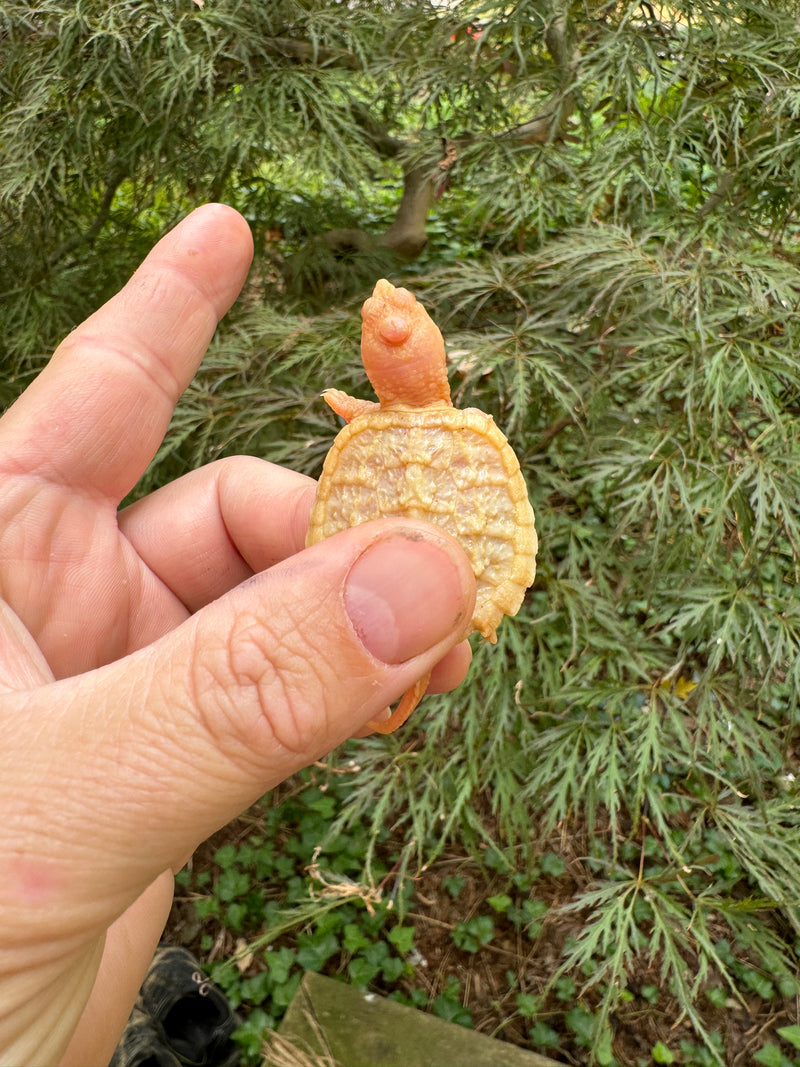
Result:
[[414, 455]]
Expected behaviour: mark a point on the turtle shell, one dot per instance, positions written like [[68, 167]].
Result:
[[446, 465]]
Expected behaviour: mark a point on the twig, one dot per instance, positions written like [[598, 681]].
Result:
[[64, 249], [450, 926], [552, 431]]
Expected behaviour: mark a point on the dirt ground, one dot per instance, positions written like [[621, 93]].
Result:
[[491, 978]]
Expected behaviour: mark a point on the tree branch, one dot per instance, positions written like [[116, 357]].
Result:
[[407, 235], [114, 181], [310, 53], [380, 140], [550, 124]]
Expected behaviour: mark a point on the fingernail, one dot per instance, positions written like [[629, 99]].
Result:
[[407, 592]]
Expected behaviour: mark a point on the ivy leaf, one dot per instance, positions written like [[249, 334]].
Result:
[[790, 1034], [402, 937], [314, 952], [661, 1054]]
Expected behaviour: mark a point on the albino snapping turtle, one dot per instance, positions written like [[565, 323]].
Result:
[[413, 455]]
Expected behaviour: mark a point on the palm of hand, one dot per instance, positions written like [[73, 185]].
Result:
[[74, 446], [78, 586], [131, 728], [82, 585]]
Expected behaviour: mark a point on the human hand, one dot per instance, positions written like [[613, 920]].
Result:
[[163, 666]]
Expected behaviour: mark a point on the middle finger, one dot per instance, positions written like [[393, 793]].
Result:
[[216, 526]]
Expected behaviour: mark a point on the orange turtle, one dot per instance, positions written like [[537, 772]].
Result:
[[413, 455]]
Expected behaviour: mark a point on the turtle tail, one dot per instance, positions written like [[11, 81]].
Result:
[[408, 702]]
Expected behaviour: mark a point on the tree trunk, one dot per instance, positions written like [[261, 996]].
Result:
[[407, 235]]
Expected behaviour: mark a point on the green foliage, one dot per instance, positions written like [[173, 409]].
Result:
[[472, 934], [291, 916], [543, 1036], [612, 255], [448, 1005], [771, 1055]]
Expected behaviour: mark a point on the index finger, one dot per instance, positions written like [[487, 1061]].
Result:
[[95, 416]]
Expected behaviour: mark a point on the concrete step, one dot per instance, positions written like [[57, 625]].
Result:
[[332, 1024]]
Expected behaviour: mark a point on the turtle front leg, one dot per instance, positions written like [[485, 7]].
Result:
[[349, 407], [408, 702]]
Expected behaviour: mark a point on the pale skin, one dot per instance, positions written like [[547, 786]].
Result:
[[161, 667]]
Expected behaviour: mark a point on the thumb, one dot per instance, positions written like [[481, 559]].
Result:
[[130, 766]]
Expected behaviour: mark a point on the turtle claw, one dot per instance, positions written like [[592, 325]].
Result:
[[349, 407], [408, 702]]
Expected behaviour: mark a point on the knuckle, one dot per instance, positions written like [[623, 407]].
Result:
[[260, 690]]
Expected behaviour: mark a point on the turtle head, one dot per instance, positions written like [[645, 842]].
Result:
[[402, 350]]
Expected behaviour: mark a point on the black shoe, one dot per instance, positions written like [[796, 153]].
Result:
[[141, 1045], [192, 1017]]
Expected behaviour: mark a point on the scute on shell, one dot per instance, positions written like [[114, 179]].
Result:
[[449, 466]]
